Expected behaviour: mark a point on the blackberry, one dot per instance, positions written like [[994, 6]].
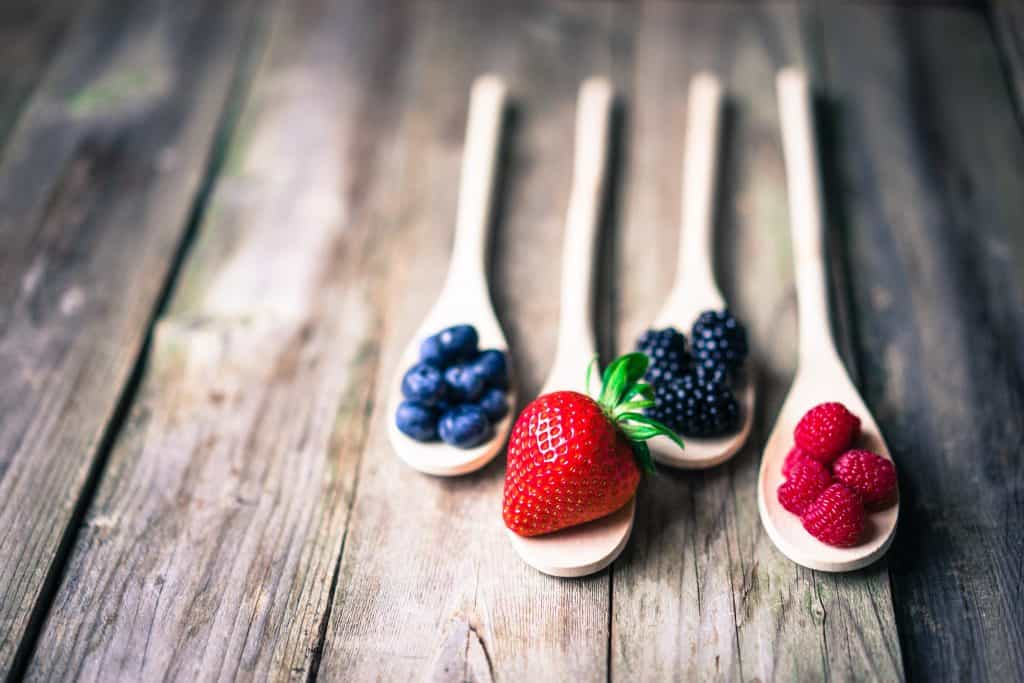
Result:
[[667, 351], [719, 341], [698, 404]]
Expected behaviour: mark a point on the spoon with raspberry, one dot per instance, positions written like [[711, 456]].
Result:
[[827, 489]]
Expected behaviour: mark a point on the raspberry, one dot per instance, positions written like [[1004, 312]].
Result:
[[836, 517], [795, 455], [826, 430], [807, 479], [869, 475]]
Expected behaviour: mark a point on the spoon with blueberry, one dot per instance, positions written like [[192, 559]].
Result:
[[701, 389], [450, 400]]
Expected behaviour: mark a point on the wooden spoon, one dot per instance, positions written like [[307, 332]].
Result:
[[695, 290], [590, 547], [465, 298], [821, 376]]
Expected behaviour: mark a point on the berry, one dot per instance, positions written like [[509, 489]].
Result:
[[795, 455], [807, 480], [719, 340], [836, 517], [465, 426], [492, 368], [493, 404], [570, 461], [869, 475], [826, 430], [463, 384], [450, 345], [417, 421], [424, 384], [698, 404], [667, 352]]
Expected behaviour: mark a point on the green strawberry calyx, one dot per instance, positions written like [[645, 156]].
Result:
[[623, 397]]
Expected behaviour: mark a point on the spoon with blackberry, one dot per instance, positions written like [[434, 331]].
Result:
[[701, 392], [449, 402]]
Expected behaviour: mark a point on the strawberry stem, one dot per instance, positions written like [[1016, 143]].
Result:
[[623, 396]]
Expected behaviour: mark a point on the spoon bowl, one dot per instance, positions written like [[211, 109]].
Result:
[[695, 290], [824, 382], [464, 298], [821, 376], [454, 307]]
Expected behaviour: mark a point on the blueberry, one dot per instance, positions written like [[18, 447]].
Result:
[[417, 421], [450, 345], [431, 352], [465, 426], [423, 383], [463, 384], [491, 366], [493, 404]]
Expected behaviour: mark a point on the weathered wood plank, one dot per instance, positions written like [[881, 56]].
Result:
[[97, 183], [429, 585], [30, 31], [212, 545], [1007, 19], [930, 160], [701, 593]]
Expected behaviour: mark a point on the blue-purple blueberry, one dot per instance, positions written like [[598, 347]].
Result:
[[494, 404], [424, 384], [450, 345], [463, 384], [417, 421], [465, 426], [493, 368]]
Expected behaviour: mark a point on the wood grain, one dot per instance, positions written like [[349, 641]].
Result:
[[928, 158], [701, 593], [429, 586], [1007, 20], [211, 548], [30, 34], [97, 183]]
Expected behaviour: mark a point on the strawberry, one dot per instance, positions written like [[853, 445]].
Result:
[[573, 459]]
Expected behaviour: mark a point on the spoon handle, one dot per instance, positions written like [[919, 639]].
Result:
[[479, 161], [805, 214], [576, 343], [695, 275]]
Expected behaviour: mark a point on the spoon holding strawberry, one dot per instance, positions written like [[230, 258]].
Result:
[[574, 464]]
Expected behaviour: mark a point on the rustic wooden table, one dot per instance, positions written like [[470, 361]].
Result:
[[220, 221]]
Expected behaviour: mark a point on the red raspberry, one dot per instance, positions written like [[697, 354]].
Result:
[[826, 430], [807, 479], [869, 475], [795, 456], [836, 517]]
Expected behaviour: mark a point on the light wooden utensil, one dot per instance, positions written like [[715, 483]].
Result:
[[590, 547], [821, 376], [695, 290], [465, 298]]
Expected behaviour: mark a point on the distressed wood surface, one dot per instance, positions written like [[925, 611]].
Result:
[[97, 182], [30, 33], [210, 550], [929, 162], [702, 593], [1007, 20], [429, 586], [247, 518]]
